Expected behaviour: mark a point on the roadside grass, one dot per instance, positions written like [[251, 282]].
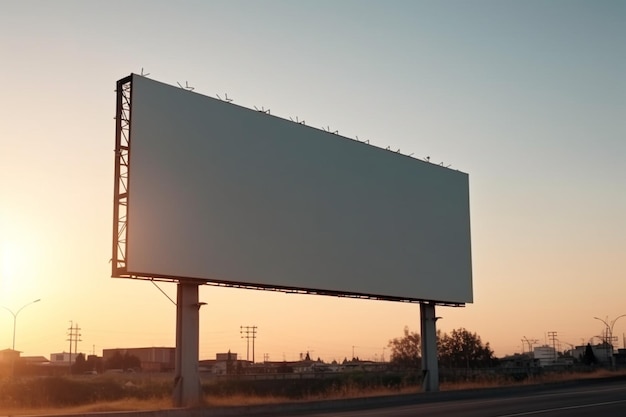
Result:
[[548, 377], [568, 376], [127, 404], [79, 395], [239, 399]]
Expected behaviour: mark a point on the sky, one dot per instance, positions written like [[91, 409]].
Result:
[[527, 97]]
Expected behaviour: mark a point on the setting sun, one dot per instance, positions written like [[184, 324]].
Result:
[[14, 269], [9, 260]]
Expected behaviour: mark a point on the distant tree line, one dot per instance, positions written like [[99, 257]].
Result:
[[459, 349]]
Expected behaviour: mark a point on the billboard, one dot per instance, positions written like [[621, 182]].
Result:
[[228, 195]]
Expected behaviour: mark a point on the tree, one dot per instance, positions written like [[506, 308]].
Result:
[[463, 349], [229, 363], [406, 350], [115, 362], [80, 364], [589, 358]]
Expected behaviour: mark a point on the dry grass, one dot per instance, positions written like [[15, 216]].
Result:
[[130, 404], [162, 403], [557, 377], [165, 402], [240, 399], [533, 380], [363, 393]]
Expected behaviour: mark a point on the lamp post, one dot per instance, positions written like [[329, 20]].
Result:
[[15, 316], [609, 335]]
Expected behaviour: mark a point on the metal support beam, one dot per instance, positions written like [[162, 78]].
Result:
[[187, 388], [430, 366], [122, 171]]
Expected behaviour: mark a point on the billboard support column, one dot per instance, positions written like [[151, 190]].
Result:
[[187, 388], [430, 366]]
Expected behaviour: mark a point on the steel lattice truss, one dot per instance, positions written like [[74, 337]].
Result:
[[122, 159]]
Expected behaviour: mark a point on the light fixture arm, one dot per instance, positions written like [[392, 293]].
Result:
[[15, 316]]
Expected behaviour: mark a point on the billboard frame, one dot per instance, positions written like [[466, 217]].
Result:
[[122, 192], [122, 171]]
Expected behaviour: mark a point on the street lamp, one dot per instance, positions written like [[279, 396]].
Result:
[[15, 316], [609, 335]]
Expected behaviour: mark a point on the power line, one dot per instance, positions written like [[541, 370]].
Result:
[[530, 343]]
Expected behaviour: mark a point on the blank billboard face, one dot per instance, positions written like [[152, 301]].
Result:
[[226, 194]]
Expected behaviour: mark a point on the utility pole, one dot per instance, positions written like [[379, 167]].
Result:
[[253, 339], [76, 339], [552, 336], [248, 332], [70, 340], [73, 337]]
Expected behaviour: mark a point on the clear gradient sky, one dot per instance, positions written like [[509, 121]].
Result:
[[528, 97]]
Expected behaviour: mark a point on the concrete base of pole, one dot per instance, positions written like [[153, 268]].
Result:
[[430, 365], [187, 388]]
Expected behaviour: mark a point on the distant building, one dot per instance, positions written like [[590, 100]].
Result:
[[153, 359], [223, 364], [9, 355], [62, 358], [34, 360], [519, 361], [225, 356], [601, 351], [545, 355]]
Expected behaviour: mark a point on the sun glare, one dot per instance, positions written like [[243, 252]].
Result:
[[11, 260]]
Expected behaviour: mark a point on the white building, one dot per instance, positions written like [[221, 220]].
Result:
[[62, 358], [601, 351], [545, 355]]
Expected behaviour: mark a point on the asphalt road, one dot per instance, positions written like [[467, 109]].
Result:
[[581, 398]]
